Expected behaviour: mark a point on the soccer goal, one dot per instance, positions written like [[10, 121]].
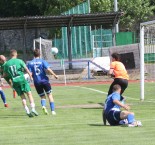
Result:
[[147, 56], [45, 46]]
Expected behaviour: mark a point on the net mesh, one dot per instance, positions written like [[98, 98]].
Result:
[[149, 61], [149, 52], [45, 48]]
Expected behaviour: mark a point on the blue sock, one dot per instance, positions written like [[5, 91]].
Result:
[[130, 118], [52, 106], [3, 96], [43, 102]]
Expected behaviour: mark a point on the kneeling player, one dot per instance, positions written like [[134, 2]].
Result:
[[113, 113]]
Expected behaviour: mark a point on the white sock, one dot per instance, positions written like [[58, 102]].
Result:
[[33, 106], [27, 109]]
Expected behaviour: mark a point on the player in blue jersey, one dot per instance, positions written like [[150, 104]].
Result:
[[3, 97], [112, 110], [39, 67]]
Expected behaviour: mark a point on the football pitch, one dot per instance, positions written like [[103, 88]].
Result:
[[78, 120]]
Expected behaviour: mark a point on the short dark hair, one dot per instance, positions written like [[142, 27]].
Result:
[[116, 56], [36, 52], [116, 87], [13, 52]]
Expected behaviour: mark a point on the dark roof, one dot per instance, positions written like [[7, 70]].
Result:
[[106, 19]]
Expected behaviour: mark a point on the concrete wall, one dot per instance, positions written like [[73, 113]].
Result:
[[132, 48], [14, 39]]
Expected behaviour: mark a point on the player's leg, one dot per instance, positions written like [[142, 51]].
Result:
[[18, 89], [104, 117], [25, 105], [123, 83], [111, 87], [3, 97], [113, 117], [31, 100], [48, 90], [127, 115], [52, 104], [26, 88], [130, 118], [41, 93]]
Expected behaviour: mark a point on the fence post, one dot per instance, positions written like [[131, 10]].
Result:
[[88, 70], [62, 64]]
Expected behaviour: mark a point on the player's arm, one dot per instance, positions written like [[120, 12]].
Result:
[[125, 106], [29, 73], [26, 69], [110, 72], [1, 82], [50, 71]]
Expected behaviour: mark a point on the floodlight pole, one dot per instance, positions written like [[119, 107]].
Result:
[[24, 42], [34, 44], [40, 47], [116, 9], [69, 43]]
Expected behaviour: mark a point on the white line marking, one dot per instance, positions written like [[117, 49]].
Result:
[[92, 89], [151, 101]]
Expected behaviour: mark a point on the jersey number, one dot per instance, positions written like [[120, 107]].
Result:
[[37, 70], [13, 70]]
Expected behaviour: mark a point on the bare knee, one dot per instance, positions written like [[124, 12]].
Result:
[[124, 114]]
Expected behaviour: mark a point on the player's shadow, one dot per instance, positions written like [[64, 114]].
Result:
[[11, 116], [99, 124], [90, 108], [93, 106]]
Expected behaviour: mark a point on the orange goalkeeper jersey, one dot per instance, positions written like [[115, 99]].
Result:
[[119, 70]]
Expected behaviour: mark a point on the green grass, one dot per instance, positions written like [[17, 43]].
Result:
[[76, 126]]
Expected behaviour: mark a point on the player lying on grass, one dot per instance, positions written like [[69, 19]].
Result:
[[7, 79], [39, 67], [14, 69], [113, 113]]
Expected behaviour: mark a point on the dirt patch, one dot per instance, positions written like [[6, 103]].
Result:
[[87, 106]]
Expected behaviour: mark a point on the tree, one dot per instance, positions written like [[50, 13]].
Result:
[[18, 8], [55, 7], [135, 12], [101, 6]]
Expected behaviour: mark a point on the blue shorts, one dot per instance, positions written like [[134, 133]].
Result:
[[43, 87], [113, 117]]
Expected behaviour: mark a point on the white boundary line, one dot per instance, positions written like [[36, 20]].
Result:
[[101, 92], [151, 101]]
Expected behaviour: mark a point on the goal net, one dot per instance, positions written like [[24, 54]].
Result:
[[45, 46], [147, 59]]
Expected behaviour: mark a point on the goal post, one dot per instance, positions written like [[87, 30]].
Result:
[[142, 62], [147, 54]]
